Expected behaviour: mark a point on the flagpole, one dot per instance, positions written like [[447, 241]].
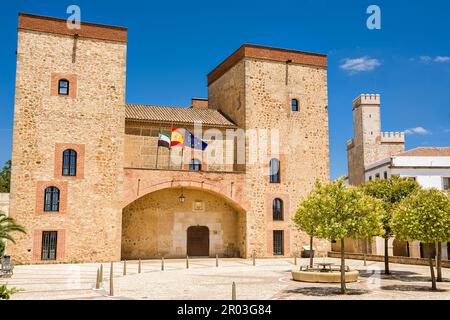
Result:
[[170, 147], [157, 149], [182, 157]]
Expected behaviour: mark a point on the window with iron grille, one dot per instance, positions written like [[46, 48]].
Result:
[[51, 199], [274, 166], [69, 167], [49, 243], [447, 183], [277, 207], [278, 243], [63, 87], [195, 165], [294, 105]]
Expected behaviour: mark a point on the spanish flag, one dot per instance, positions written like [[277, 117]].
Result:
[[177, 138]]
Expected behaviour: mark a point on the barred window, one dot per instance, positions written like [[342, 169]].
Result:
[[51, 199], [274, 173], [63, 87], [278, 243], [69, 167], [49, 243], [446, 183], [277, 207]]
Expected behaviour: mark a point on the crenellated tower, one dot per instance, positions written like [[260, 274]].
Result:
[[369, 144]]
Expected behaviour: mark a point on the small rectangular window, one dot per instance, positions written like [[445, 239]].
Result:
[[63, 88], [377, 176], [385, 175], [294, 105], [49, 243], [370, 178], [447, 183]]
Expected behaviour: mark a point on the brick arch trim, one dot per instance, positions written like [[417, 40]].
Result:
[[220, 191]]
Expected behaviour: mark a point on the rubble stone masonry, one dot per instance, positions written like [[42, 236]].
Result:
[[91, 119]]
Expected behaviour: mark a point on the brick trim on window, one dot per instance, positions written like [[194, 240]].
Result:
[[286, 242], [54, 84], [286, 208], [40, 194], [59, 150], [60, 245]]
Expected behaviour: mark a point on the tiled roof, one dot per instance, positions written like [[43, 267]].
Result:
[[426, 152], [178, 115]]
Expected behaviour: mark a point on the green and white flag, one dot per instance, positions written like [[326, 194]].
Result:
[[164, 140]]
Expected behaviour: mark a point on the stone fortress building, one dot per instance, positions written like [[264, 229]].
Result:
[[373, 154], [89, 183]]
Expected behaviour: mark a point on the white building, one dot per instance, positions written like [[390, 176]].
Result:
[[430, 167]]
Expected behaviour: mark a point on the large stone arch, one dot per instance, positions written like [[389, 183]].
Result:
[[155, 222], [139, 183]]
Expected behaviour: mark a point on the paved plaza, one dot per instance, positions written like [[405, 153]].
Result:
[[269, 279]]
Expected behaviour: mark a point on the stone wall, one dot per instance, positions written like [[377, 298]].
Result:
[[400, 260], [93, 118], [255, 94], [156, 224]]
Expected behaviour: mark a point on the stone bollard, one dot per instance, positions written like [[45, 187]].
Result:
[[111, 280], [187, 262], [217, 260], [162, 263], [254, 258], [295, 259], [233, 291], [125, 267], [97, 282], [101, 274], [140, 266]]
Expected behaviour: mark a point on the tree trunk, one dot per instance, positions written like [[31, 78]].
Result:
[[311, 253], [433, 278], [439, 262], [343, 288], [386, 256]]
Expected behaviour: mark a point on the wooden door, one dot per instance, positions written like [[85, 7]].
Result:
[[198, 242]]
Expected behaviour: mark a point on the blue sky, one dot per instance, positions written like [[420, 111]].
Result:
[[174, 44]]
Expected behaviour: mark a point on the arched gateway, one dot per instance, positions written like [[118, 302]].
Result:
[[182, 215]]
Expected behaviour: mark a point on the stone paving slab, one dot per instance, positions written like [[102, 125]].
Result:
[[270, 279]]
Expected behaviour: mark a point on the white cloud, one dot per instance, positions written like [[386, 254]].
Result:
[[425, 58], [418, 130], [442, 59], [429, 59], [357, 65]]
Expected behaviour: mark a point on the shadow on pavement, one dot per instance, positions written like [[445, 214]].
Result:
[[324, 291], [410, 288]]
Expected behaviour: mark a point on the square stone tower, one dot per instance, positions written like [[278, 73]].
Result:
[[69, 108], [369, 143], [280, 94]]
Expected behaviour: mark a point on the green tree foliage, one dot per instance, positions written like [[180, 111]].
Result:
[[5, 293], [2, 248], [7, 226], [391, 191], [425, 217], [5, 178], [335, 212]]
